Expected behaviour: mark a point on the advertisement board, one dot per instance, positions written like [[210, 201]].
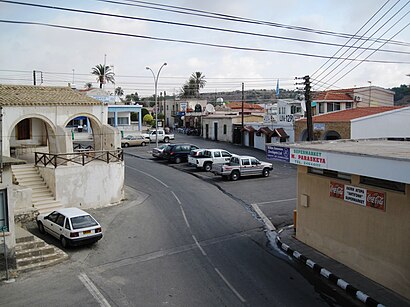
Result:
[[277, 153], [307, 157]]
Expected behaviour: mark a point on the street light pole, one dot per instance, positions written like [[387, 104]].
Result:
[[156, 99]]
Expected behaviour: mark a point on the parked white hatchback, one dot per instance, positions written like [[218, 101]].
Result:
[[72, 226]]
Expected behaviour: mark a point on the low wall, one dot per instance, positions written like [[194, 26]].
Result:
[[93, 185]]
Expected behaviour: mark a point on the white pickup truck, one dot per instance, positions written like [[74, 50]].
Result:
[[240, 166], [162, 136], [208, 158]]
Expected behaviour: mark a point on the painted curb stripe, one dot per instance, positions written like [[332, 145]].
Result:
[[351, 290]]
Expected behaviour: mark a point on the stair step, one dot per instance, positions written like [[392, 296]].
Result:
[[27, 175], [29, 238], [41, 265], [45, 250], [36, 259], [42, 198], [48, 208], [29, 245], [46, 202]]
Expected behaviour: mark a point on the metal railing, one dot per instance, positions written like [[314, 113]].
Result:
[[81, 158]]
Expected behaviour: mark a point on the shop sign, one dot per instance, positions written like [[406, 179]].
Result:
[[337, 190], [277, 153], [307, 157], [355, 195], [358, 196]]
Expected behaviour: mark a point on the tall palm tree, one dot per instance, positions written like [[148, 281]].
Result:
[[103, 73], [198, 79]]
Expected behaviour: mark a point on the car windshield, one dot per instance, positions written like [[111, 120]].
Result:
[[84, 221]]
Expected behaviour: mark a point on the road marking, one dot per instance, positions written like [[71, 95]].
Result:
[[230, 286], [176, 197], [149, 175], [199, 246], [93, 290], [276, 201], [183, 214], [264, 218]]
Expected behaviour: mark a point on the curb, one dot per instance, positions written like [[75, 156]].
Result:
[[352, 291]]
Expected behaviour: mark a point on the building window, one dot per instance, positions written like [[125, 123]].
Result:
[[321, 108], [111, 121], [24, 129], [385, 184], [349, 105], [123, 121], [329, 173], [224, 129], [333, 106], [4, 215]]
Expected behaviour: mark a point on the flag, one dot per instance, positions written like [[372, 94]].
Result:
[[277, 89]]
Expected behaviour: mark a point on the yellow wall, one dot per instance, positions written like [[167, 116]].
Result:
[[373, 242]]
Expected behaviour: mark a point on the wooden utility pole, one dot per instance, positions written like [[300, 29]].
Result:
[[308, 100], [243, 101]]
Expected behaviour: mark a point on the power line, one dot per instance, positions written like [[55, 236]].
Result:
[[192, 26], [207, 14], [191, 42]]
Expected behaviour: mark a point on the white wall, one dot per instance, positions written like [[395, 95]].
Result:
[[388, 124], [93, 185]]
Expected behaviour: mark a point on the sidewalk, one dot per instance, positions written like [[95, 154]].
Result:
[[286, 239]]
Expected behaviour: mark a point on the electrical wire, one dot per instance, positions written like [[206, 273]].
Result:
[[190, 42], [192, 25]]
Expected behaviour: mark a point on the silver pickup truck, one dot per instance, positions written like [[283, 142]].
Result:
[[240, 166]]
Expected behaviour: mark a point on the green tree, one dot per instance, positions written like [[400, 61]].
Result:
[[400, 92], [104, 74], [88, 85], [144, 112], [134, 98], [147, 118]]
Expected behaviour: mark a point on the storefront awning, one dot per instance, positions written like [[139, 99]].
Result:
[[280, 132]]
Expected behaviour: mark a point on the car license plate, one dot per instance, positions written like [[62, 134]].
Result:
[[87, 232]]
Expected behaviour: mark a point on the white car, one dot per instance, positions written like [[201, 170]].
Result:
[[72, 226]]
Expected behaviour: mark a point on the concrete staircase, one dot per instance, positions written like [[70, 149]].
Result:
[[33, 253], [42, 198]]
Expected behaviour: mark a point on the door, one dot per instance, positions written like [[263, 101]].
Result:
[[251, 139], [207, 131], [216, 131], [51, 224], [226, 156], [246, 167]]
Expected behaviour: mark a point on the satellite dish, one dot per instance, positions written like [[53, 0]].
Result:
[[209, 108], [220, 100]]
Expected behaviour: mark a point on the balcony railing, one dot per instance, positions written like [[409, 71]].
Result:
[[82, 158]]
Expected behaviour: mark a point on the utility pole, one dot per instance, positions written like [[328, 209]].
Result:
[[308, 102], [165, 110], [243, 100]]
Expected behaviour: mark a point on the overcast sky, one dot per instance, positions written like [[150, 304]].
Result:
[[57, 52]]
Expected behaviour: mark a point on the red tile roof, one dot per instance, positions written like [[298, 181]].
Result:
[[348, 115], [249, 106], [334, 95]]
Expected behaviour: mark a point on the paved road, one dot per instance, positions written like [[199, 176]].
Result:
[[181, 242]]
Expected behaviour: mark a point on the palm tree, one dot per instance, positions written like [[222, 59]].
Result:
[[119, 91], [198, 80], [103, 73]]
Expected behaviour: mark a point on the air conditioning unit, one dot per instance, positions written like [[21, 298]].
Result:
[[357, 98]]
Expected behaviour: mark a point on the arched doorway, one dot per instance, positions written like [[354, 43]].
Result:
[[304, 135], [85, 131], [30, 134], [331, 135]]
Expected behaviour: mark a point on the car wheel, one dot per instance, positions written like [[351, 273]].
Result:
[[235, 176], [143, 144], [166, 140], [64, 242], [178, 160], [126, 144], [41, 227], [208, 167], [265, 172]]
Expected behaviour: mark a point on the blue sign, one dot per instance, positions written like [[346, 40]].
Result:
[[278, 153]]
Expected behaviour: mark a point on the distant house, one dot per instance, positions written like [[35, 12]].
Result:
[[343, 99], [358, 123]]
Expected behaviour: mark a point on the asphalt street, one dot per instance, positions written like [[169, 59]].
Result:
[[180, 239]]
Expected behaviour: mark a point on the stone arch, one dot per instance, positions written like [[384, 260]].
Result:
[[304, 135], [331, 135], [42, 132], [96, 128]]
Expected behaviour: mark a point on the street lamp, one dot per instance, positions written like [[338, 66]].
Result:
[[156, 99]]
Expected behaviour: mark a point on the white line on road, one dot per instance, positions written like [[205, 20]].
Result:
[[183, 214], [176, 197], [93, 290], [199, 246], [164, 184], [230, 286], [276, 201], [264, 218]]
